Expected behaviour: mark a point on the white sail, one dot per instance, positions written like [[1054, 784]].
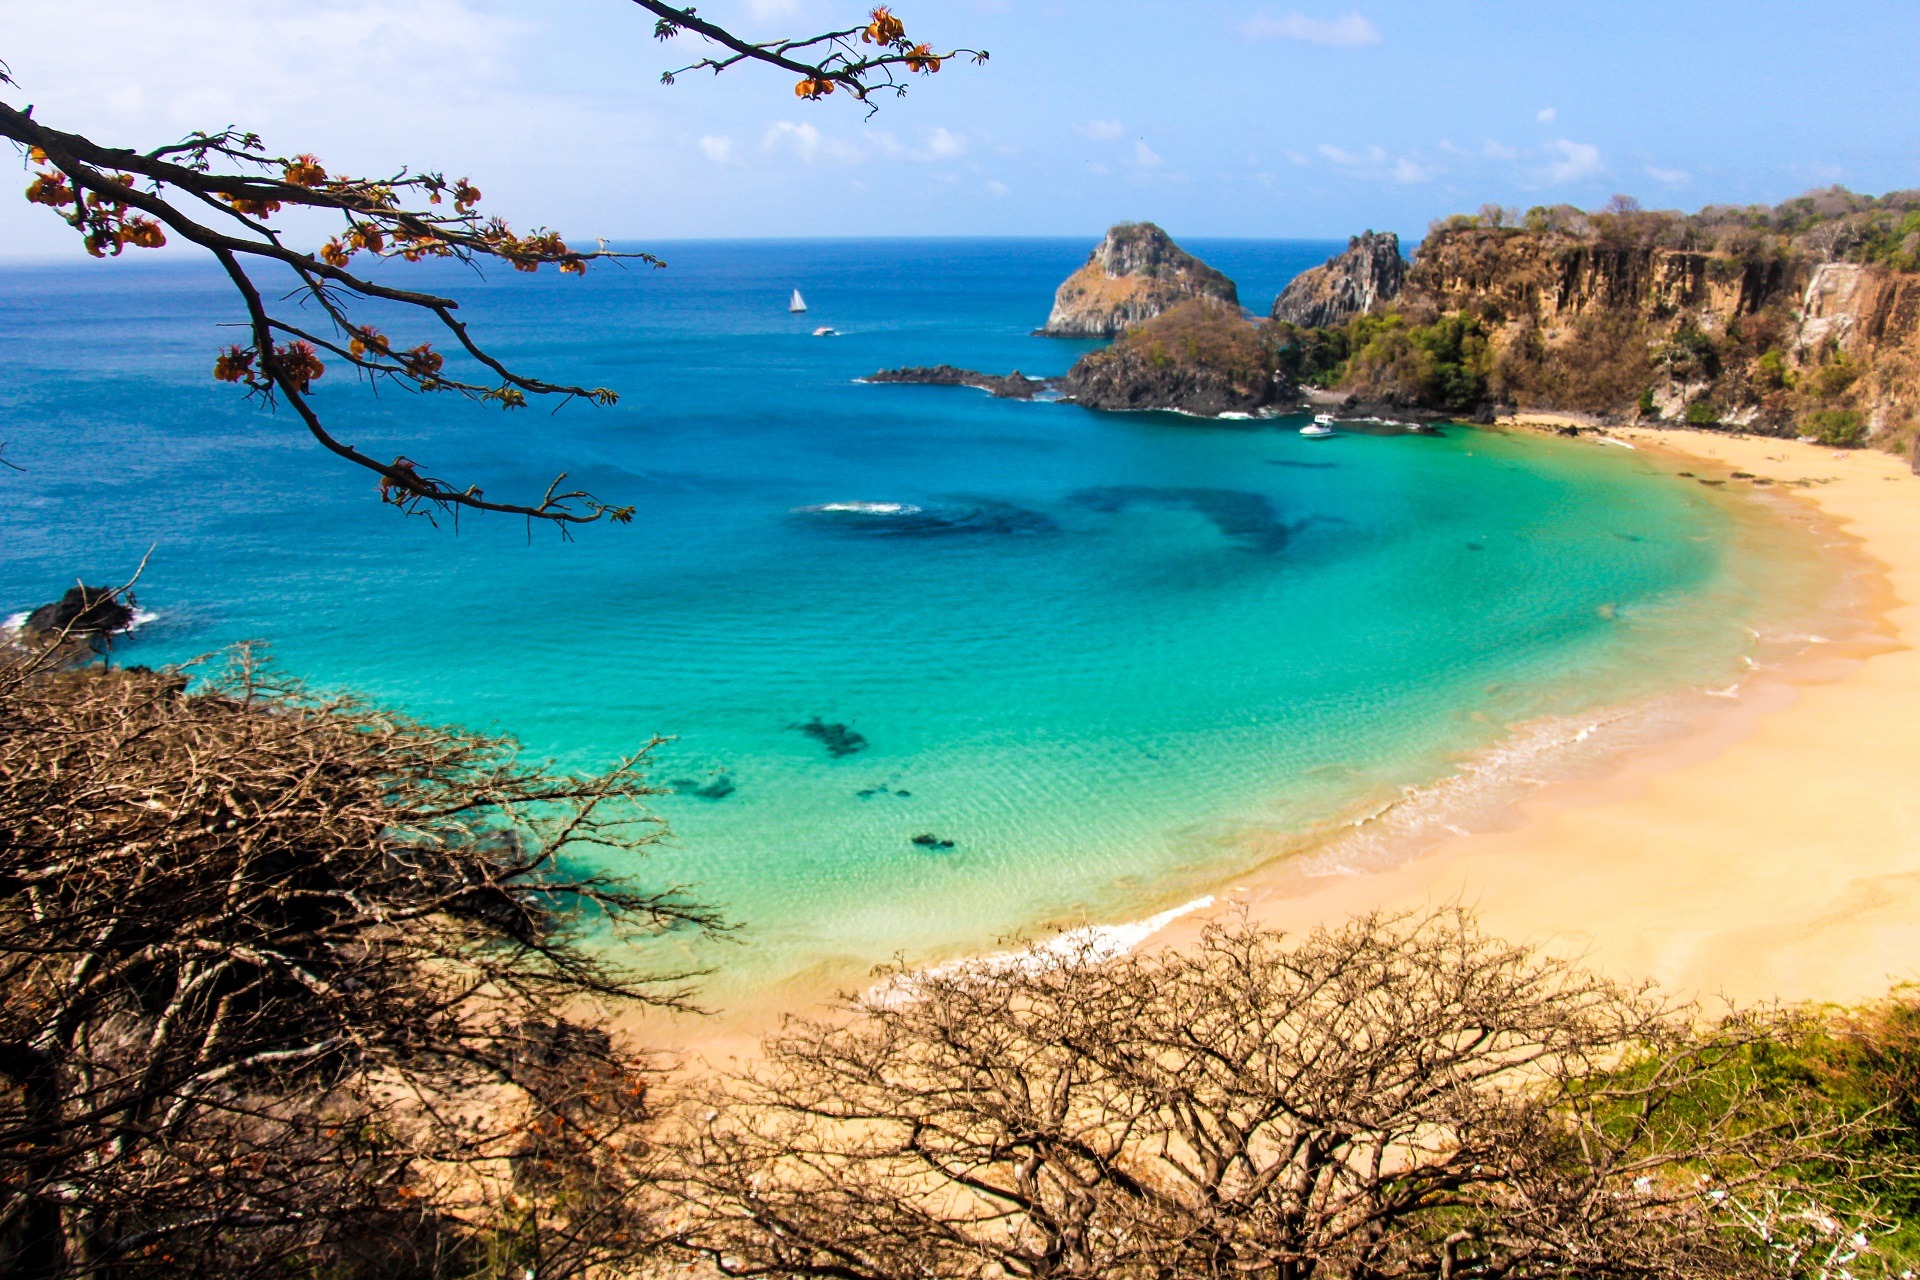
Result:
[[798, 304]]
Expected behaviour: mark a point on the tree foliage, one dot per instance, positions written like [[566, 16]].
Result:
[[292, 985], [1393, 1098]]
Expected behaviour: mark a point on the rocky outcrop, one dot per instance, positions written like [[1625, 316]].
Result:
[[1364, 278], [1135, 274], [1012, 386], [1201, 357], [82, 612]]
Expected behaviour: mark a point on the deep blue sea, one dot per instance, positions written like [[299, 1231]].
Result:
[[1087, 650]]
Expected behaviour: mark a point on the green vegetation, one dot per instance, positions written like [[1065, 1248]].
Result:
[[1841, 428], [1702, 414], [1385, 357]]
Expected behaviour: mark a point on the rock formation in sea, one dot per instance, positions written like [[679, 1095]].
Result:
[[1135, 274], [1012, 386], [1201, 357], [83, 612], [1363, 278]]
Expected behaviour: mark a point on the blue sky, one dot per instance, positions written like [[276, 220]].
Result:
[[1213, 117]]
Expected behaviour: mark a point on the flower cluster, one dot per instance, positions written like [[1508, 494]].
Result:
[[104, 220], [296, 361]]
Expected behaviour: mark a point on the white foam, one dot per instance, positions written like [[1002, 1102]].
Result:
[[14, 621], [860, 509], [1610, 440], [1089, 944]]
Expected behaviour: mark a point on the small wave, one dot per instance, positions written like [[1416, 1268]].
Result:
[[1610, 440], [1089, 944], [17, 621], [14, 621], [859, 509]]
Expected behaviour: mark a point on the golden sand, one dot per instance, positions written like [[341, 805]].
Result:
[[1772, 853]]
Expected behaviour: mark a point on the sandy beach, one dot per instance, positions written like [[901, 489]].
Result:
[[1767, 851], [1773, 852]]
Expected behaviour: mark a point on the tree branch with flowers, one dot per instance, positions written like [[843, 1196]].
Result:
[[222, 191]]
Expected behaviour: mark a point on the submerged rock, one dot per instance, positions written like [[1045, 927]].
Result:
[[1011, 386], [83, 611], [928, 840], [1368, 275], [1135, 274], [839, 739], [719, 788]]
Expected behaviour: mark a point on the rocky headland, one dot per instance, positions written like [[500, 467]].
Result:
[[1364, 278], [83, 612], [1136, 273], [1799, 319], [1201, 357], [1011, 386]]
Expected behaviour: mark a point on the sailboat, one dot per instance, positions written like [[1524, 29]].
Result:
[[798, 304]]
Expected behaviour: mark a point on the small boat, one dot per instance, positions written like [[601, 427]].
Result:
[[1320, 428], [826, 331], [798, 304]]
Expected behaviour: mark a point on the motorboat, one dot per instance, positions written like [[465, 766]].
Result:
[[826, 331], [1320, 428]]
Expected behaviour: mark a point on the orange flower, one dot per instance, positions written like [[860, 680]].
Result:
[[299, 365], [335, 254], [50, 189], [305, 171], [253, 208], [142, 233], [921, 59], [465, 195], [367, 339], [423, 360], [812, 88], [235, 364], [884, 29]]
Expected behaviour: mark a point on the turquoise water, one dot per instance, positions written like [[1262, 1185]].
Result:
[[1100, 647]]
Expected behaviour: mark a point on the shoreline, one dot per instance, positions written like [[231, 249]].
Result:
[[1770, 851], [1691, 855]]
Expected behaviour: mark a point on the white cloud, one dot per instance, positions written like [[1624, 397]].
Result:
[[1671, 177], [944, 144], [1298, 159], [997, 187], [770, 10], [1577, 160], [1100, 130], [1341, 156], [1405, 170], [1547, 115], [1494, 151], [1144, 155], [809, 144], [719, 147], [1350, 31]]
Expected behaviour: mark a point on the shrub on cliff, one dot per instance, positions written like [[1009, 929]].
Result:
[[1840, 428], [1201, 356], [1392, 1099], [1385, 357], [295, 987]]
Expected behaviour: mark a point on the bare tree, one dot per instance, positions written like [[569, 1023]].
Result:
[[1394, 1098], [220, 192], [293, 985]]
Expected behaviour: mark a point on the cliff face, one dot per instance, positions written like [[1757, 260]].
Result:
[[1135, 274], [1764, 336], [1200, 357], [1364, 278]]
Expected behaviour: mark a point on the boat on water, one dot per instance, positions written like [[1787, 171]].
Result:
[[1320, 428], [798, 304], [826, 331]]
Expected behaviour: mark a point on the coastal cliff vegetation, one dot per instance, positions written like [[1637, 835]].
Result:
[[1801, 318]]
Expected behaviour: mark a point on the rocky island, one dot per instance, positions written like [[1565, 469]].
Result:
[[1134, 274], [1801, 319]]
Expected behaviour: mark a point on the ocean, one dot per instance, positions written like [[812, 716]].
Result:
[[1081, 654]]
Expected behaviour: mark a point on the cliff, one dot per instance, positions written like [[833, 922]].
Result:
[[1364, 278], [1200, 357], [1135, 274], [1802, 319]]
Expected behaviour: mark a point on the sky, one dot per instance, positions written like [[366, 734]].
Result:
[[1211, 117]]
